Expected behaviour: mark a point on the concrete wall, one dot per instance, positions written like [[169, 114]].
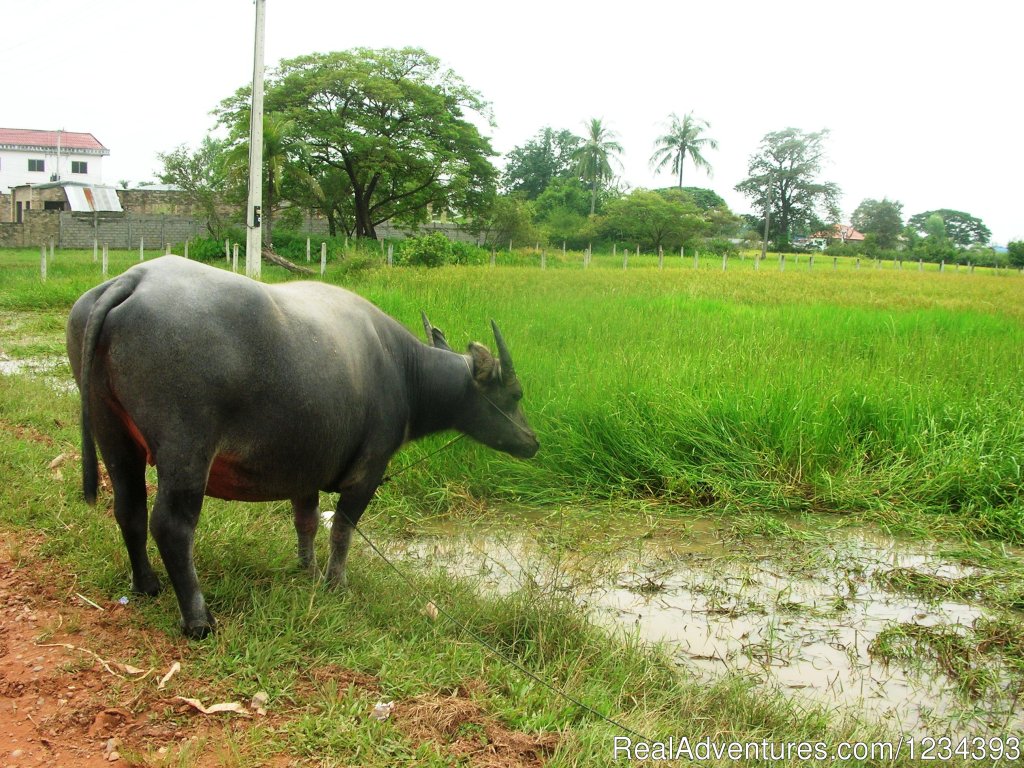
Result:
[[77, 230]]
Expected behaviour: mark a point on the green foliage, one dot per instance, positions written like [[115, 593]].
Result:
[[509, 220], [706, 199], [387, 135], [595, 156], [653, 219], [203, 176], [882, 220], [530, 169], [961, 228], [1015, 252], [784, 180], [683, 138], [430, 250]]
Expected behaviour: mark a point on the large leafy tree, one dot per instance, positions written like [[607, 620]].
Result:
[[393, 123], [594, 157], [784, 181], [531, 168], [962, 229], [881, 219], [684, 137], [654, 219]]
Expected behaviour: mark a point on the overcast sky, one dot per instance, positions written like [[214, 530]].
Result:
[[924, 100]]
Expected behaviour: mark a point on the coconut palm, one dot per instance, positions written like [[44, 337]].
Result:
[[683, 138], [281, 147], [594, 157]]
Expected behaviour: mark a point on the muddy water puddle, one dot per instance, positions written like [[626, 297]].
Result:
[[802, 619], [54, 371]]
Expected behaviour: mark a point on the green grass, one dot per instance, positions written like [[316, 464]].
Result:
[[875, 395]]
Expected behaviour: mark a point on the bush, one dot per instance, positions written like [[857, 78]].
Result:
[[432, 250], [209, 249], [720, 246]]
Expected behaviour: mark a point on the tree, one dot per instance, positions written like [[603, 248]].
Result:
[[201, 175], [706, 199], [1015, 253], [594, 157], [784, 180], [883, 219], [283, 153], [653, 220], [529, 169], [509, 220], [962, 229], [393, 123], [937, 245], [561, 211], [683, 138]]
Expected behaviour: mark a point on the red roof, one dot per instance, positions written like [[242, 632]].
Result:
[[29, 138]]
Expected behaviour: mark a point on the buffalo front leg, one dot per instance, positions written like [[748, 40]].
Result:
[[307, 521], [351, 505], [173, 525]]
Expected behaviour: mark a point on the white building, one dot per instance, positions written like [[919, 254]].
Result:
[[39, 157]]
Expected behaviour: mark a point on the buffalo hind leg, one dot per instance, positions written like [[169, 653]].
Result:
[[173, 524], [307, 521], [126, 465]]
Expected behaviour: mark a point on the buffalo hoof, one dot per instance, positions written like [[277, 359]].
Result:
[[198, 629], [147, 586]]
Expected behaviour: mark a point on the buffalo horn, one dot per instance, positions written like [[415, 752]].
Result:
[[508, 370], [434, 336]]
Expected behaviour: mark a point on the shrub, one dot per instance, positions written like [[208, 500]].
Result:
[[432, 250]]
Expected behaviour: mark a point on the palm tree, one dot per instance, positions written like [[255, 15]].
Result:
[[593, 158], [281, 147], [683, 138]]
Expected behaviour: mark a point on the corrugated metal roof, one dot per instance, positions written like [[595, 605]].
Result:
[[27, 138], [91, 198]]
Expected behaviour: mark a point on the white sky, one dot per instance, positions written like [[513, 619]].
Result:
[[924, 100]]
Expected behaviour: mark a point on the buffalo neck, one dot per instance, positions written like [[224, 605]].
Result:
[[439, 382]]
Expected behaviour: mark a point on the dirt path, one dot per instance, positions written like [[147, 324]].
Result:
[[73, 690]]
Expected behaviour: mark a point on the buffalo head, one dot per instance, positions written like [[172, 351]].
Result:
[[492, 414]]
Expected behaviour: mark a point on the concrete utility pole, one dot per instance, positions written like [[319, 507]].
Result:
[[254, 229]]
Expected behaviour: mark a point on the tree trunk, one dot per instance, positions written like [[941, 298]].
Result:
[[593, 195]]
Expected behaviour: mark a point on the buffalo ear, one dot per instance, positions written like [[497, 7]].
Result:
[[486, 367]]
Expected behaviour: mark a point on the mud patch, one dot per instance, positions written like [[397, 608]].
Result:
[[461, 728]]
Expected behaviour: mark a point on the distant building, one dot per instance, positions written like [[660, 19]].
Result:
[[842, 232], [40, 157]]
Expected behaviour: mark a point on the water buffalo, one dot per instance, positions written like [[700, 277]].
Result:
[[240, 390]]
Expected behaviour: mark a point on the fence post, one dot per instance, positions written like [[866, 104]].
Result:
[[725, 258], [140, 248], [42, 262], [942, 266], [168, 251], [661, 258], [857, 265], [625, 258], [696, 259], [234, 258], [106, 258], [51, 249], [920, 265], [186, 249], [307, 250], [323, 258], [757, 263], [95, 250], [835, 263], [391, 254], [492, 256], [782, 262], [227, 251], [543, 259], [810, 262]]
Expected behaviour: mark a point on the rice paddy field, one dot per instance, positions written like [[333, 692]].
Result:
[[773, 414]]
